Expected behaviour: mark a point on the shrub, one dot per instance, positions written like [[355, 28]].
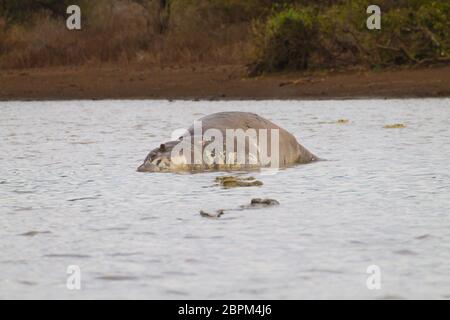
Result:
[[287, 39], [414, 34], [332, 36], [434, 19], [273, 34]]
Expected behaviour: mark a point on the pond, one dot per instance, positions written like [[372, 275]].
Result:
[[70, 196]]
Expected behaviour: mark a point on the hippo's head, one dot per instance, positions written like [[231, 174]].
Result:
[[158, 159], [172, 157]]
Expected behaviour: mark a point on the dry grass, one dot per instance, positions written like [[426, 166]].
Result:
[[2, 36], [111, 33], [122, 31]]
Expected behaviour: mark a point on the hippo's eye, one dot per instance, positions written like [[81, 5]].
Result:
[[158, 162]]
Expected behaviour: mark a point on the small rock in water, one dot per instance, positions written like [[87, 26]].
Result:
[[395, 126], [233, 182], [260, 203], [265, 202], [217, 214]]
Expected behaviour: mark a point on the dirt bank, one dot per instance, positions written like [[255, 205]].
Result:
[[221, 82]]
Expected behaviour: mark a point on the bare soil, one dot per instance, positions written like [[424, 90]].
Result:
[[218, 82]]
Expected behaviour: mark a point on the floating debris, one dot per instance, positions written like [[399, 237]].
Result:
[[395, 126], [339, 121], [255, 203], [260, 203], [233, 182], [264, 202], [217, 214]]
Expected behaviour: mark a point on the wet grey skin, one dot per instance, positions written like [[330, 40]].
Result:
[[290, 151]]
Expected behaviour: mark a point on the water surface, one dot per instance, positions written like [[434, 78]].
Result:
[[70, 195]]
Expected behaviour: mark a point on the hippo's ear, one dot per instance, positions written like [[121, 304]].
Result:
[[162, 147]]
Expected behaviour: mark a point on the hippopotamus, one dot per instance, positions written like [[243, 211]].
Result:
[[228, 141]]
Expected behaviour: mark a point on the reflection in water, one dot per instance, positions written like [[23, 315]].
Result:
[[70, 195]]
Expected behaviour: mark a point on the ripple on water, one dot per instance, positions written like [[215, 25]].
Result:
[[27, 282], [405, 252], [117, 277], [423, 237], [83, 198], [33, 233], [83, 142], [253, 291], [23, 191], [149, 218], [390, 297], [117, 228], [67, 255], [357, 242], [176, 292], [20, 209], [319, 270], [124, 254], [18, 262], [191, 236], [179, 273]]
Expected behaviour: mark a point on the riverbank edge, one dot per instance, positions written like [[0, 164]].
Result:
[[226, 82]]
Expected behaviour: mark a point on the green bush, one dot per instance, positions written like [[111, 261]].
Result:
[[332, 36], [434, 18], [414, 34], [287, 39]]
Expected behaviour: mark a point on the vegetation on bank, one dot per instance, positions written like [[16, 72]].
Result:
[[302, 37], [269, 35]]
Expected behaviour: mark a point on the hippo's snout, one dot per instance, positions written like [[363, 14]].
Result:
[[147, 166]]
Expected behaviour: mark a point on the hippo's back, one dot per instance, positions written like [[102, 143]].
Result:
[[235, 120], [290, 151]]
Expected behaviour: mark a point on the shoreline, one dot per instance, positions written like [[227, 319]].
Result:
[[227, 82]]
